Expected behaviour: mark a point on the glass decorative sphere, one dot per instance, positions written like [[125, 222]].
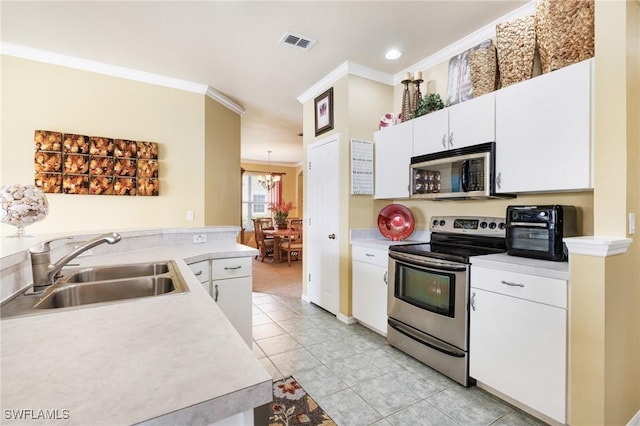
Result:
[[22, 205]]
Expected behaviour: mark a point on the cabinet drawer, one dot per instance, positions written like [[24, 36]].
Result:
[[231, 268], [201, 270], [550, 291], [378, 257]]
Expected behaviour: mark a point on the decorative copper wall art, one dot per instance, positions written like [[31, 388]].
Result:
[[78, 164]]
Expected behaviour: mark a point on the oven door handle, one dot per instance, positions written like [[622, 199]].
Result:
[[401, 328], [431, 263]]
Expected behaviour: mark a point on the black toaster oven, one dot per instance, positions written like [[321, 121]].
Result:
[[537, 231]]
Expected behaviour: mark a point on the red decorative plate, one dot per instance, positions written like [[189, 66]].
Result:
[[396, 222]]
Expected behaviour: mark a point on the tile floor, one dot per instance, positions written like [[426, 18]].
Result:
[[357, 378]]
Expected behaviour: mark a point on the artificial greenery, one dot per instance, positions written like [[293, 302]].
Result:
[[429, 103]]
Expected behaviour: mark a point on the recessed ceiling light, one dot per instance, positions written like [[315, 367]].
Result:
[[393, 54]]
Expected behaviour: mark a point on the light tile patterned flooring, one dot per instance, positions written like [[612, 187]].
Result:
[[357, 378]]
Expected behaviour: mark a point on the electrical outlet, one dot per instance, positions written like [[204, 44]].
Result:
[[199, 238], [190, 215]]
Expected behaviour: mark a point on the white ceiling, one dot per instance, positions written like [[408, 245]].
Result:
[[234, 46]]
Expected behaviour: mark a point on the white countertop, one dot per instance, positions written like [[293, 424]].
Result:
[[504, 262], [372, 238], [172, 359]]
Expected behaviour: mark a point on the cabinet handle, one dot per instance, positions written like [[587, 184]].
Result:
[[332, 236], [197, 274], [386, 277], [232, 268], [216, 296], [370, 255], [499, 180], [512, 284], [451, 140], [473, 301], [444, 141]]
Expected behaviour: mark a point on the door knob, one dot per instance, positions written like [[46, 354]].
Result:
[[332, 236]]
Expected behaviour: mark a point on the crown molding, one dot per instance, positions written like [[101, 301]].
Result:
[[346, 68], [467, 42], [597, 246], [53, 58], [99, 67], [473, 39], [222, 99]]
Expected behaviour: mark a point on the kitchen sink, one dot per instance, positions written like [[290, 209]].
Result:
[[99, 285], [116, 272], [105, 291]]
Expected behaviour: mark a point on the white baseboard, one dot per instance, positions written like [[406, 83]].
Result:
[[635, 421], [305, 298], [345, 319]]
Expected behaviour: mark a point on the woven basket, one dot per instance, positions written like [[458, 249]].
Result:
[[565, 31], [483, 68], [516, 42]]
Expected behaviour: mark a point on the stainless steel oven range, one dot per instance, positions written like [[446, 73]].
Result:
[[428, 303]]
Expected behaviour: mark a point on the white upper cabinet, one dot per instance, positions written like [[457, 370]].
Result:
[[431, 133], [467, 123], [543, 132], [392, 157]]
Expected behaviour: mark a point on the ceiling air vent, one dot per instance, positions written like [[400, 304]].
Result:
[[298, 41]]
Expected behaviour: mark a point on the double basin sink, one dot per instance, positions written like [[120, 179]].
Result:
[[100, 285]]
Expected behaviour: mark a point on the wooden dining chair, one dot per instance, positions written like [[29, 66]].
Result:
[[265, 245], [292, 244]]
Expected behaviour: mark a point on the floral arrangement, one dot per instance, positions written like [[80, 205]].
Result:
[[281, 211]]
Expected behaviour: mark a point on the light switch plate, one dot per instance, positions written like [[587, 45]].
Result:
[[190, 215], [632, 223]]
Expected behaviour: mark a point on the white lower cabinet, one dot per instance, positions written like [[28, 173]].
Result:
[[202, 271], [230, 285], [518, 338], [369, 269]]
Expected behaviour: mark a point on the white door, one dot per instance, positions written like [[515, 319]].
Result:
[[323, 195]]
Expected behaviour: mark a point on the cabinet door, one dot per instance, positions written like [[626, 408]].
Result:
[[430, 133], [202, 273], [473, 122], [543, 132], [370, 295], [518, 347], [393, 147], [233, 296]]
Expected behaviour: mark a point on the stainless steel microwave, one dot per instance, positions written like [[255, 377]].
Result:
[[456, 174]]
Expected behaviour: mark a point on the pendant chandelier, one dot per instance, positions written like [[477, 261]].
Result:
[[268, 180]]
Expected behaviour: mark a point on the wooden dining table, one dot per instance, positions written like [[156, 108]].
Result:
[[278, 235]]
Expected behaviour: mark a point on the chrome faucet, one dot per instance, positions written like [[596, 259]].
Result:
[[45, 273]]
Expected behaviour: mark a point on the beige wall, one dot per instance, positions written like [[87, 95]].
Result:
[[605, 296], [42, 96], [222, 181]]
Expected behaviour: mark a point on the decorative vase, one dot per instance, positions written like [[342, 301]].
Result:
[[406, 99], [22, 205]]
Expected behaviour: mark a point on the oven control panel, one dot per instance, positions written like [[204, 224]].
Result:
[[475, 225]]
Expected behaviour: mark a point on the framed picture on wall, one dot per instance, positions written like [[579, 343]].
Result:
[[324, 112]]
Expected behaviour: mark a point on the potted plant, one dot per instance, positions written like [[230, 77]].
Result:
[[281, 213], [429, 103]]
